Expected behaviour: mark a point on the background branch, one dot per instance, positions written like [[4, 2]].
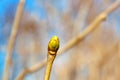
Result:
[[12, 39]]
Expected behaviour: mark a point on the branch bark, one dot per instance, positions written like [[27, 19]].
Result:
[[12, 39], [97, 21]]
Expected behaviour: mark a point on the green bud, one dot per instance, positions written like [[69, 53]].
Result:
[[53, 44]]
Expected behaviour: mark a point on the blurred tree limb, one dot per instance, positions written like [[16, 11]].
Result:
[[97, 21], [12, 39]]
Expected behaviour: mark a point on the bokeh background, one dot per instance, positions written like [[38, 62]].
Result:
[[97, 57]]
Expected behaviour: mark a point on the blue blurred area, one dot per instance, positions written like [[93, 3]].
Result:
[[7, 10], [62, 6], [2, 59], [118, 23]]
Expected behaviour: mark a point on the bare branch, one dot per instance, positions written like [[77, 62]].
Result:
[[90, 28], [32, 69], [12, 39]]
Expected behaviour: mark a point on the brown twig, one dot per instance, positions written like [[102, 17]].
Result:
[[12, 39], [100, 18], [53, 47], [32, 69]]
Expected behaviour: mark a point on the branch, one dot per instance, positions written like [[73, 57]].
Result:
[[32, 69], [98, 20], [53, 47], [12, 39]]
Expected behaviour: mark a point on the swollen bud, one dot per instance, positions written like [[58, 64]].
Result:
[[53, 44]]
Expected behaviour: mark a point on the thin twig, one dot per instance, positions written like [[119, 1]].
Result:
[[12, 39], [32, 69], [53, 47], [98, 20], [49, 66]]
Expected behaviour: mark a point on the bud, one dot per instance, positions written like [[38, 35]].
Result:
[[53, 44]]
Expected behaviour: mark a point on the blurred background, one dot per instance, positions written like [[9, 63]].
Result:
[[97, 57]]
